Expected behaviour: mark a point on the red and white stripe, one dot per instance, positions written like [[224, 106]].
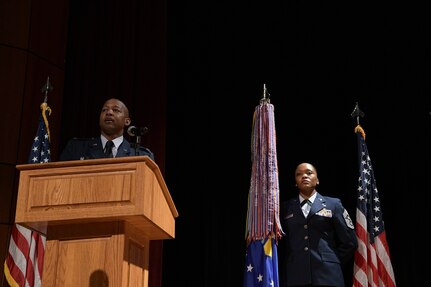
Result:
[[372, 266], [24, 262]]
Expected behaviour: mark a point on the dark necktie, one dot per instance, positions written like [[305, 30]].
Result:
[[304, 202], [108, 148]]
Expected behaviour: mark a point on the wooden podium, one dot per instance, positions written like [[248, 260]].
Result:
[[99, 217]]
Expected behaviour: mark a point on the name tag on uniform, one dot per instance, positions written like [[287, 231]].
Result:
[[289, 216], [325, 212]]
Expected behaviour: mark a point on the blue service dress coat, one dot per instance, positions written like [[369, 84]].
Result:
[[315, 247], [92, 148]]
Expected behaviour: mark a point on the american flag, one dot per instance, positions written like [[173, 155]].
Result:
[[372, 264], [263, 225], [24, 262]]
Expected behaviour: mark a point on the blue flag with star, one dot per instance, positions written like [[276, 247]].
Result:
[[261, 262]]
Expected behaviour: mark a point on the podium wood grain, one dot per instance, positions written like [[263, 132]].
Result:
[[99, 217]]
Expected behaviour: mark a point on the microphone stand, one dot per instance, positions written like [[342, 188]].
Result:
[[137, 143], [137, 132]]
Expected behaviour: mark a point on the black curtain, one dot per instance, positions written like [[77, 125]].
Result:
[[116, 49], [317, 60]]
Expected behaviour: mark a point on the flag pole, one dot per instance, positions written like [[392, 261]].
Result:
[[358, 113], [372, 264], [23, 265], [263, 228], [265, 97], [46, 88]]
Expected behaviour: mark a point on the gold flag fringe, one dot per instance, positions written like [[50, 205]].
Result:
[[359, 129], [45, 108]]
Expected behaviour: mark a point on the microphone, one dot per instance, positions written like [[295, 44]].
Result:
[[137, 131]]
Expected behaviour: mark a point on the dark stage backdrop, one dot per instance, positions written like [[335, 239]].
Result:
[[317, 59], [117, 49]]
